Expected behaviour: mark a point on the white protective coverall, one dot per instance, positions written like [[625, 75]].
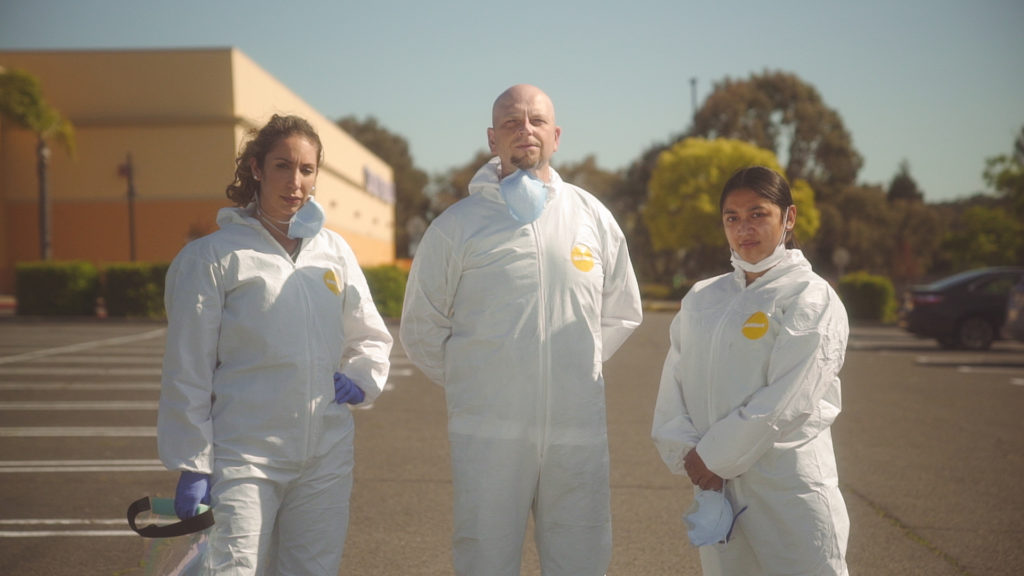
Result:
[[253, 341], [751, 380], [515, 320]]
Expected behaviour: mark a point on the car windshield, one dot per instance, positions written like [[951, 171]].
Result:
[[954, 279]]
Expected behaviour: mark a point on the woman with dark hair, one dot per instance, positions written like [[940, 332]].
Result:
[[271, 333], [748, 393]]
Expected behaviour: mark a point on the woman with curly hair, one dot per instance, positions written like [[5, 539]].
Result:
[[271, 334]]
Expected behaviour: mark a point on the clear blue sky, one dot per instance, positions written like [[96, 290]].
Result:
[[939, 83]]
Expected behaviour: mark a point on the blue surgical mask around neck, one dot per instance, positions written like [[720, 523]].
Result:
[[307, 221], [524, 194]]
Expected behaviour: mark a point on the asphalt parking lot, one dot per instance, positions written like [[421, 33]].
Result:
[[929, 446]]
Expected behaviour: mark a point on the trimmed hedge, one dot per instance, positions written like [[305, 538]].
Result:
[[133, 289], [868, 297], [137, 289], [387, 285], [56, 288]]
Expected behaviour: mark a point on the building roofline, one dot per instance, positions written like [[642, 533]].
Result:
[[117, 50]]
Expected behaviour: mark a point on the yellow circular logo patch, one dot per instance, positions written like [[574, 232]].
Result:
[[582, 258], [331, 281], [756, 326]]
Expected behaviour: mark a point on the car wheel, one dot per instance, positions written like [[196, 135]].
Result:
[[975, 333]]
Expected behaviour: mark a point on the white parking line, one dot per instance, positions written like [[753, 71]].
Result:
[[78, 432], [61, 521], [83, 346], [46, 406], [51, 533], [988, 370], [31, 371], [15, 463], [73, 359], [36, 466], [91, 386], [53, 469]]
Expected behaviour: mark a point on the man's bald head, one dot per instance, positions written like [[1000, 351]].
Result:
[[521, 93], [523, 131]]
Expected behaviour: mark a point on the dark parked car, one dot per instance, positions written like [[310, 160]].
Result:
[[966, 310], [1014, 326]]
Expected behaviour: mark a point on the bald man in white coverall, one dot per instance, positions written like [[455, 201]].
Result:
[[517, 295]]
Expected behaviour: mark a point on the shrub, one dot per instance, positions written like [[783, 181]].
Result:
[[135, 289], [655, 292], [56, 288], [387, 285], [868, 297], [665, 292]]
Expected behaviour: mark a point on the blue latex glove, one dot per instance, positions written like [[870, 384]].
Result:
[[345, 390], [193, 489]]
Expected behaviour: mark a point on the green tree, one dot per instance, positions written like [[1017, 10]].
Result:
[[1005, 175], [682, 208], [864, 228], [915, 228], [450, 187], [917, 234], [588, 175], [903, 186], [780, 112], [774, 111], [985, 236], [829, 241], [411, 203], [627, 203], [22, 103]]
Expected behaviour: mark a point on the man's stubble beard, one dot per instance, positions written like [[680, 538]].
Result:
[[524, 162]]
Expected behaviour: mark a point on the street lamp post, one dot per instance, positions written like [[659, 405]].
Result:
[[45, 205], [693, 97], [127, 171]]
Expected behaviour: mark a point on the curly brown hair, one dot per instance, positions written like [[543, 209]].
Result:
[[243, 189]]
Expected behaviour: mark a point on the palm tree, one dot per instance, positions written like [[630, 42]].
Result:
[[22, 103]]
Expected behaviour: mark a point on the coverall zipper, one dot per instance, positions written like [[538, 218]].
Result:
[[544, 397], [715, 346], [308, 313], [311, 422]]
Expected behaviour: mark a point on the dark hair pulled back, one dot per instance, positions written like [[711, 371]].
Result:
[[764, 182]]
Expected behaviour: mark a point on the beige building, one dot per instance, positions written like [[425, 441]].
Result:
[[182, 116]]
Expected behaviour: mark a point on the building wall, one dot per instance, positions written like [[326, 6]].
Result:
[[182, 115], [363, 219]]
